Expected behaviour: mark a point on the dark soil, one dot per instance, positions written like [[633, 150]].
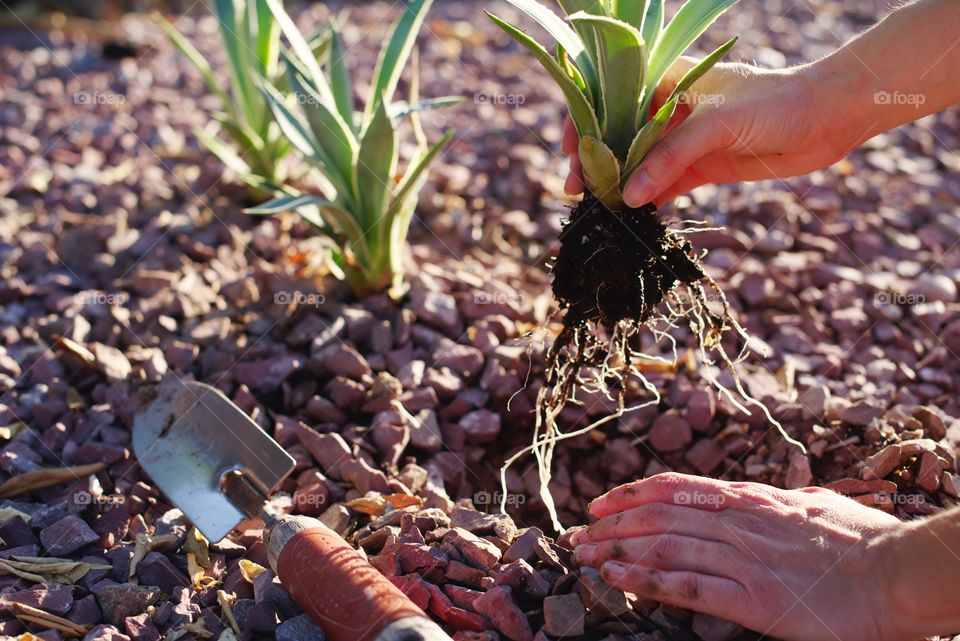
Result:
[[615, 266]]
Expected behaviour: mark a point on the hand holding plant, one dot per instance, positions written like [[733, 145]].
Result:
[[742, 123]]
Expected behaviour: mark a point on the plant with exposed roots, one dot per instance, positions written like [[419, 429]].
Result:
[[621, 269]]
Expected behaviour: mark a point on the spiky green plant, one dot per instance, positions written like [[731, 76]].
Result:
[[611, 55], [251, 40], [366, 205]]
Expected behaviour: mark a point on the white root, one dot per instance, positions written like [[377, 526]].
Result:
[[589, 361]]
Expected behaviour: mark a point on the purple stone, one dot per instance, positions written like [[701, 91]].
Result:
[[67, 535]]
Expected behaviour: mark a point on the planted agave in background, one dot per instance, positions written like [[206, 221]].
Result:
[[366, 205], [251, 40], [620, 269]]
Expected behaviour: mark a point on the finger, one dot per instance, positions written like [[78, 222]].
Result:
[[696, 137], [571, 139], [668, 487], [670, 80], [717, 596], [668, 551], [574, 184], [652, 519], [690, 180]]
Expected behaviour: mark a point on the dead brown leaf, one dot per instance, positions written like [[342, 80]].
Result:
[[39, 479], [48, 569], [36, 616], [401, 500]]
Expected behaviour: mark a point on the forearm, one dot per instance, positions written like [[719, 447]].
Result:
[[905, 67], [923, 566]]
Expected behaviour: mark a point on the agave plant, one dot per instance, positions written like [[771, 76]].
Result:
[[612, 272], [251, 40], [366, 205], [611, 55]]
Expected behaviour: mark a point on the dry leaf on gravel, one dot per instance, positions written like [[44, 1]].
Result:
[[226, 602], [39, 479], [197, 629], [400, 500], [372, 504], [36, 616], [48, 569], [146, 543], [251, 570]]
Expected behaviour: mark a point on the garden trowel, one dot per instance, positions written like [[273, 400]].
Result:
[[219, 468]]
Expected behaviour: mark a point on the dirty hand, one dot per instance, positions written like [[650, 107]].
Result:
[[775, 561], [737, 123]]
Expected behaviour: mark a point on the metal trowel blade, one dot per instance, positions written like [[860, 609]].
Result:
[[186, 435]]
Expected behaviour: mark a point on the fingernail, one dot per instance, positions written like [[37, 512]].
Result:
[[612, 571], [640, 189], [595, 504], [579, 537], [584, 553]]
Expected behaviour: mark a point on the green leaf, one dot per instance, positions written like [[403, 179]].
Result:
[[566, 37], [394, 55], [564, 61], [601, 171], [340, 82], [585, 32], [630, 11], [400, 110], [299, 133], [376, 165], [282, 204], [223, 152], [691, 21], [652, 23], [416, 170], [303, 53], [581, 111], [648, 136], [331, 133], [229, 20], [267, 38], [622, 62]]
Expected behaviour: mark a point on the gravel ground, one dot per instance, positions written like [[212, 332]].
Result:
[[125, 260]]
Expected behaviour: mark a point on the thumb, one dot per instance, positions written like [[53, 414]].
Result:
[[693, 139]]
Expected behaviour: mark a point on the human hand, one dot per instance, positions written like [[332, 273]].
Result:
[[775, 561], [736, 123]]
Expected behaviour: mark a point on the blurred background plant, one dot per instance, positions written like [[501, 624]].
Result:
[[251, 40], [365, 204]]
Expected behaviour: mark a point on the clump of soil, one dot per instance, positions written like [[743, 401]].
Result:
[[616, 266]]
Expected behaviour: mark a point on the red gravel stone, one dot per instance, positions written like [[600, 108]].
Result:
[[497, 605]]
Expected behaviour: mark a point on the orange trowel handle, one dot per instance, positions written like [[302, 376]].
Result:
[[346, 596]]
